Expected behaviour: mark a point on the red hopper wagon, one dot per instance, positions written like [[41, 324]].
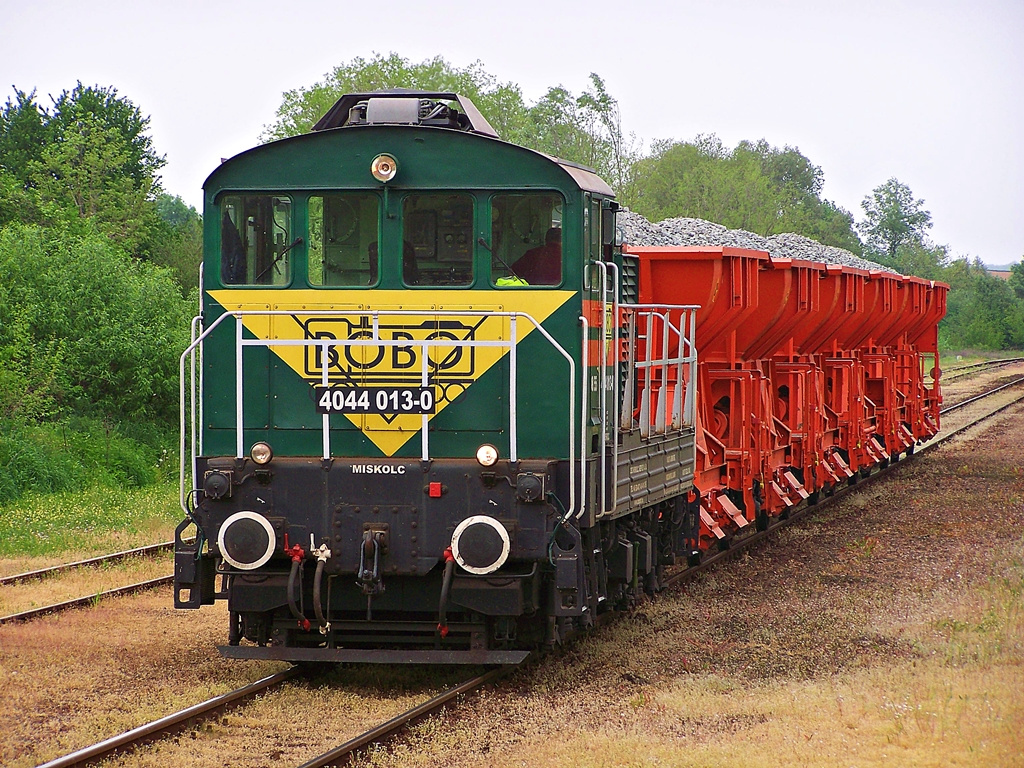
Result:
[[810, 374]]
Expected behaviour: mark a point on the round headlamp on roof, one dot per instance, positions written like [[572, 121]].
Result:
[[384, 167]]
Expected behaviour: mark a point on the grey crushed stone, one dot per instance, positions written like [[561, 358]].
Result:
[[638, 231]]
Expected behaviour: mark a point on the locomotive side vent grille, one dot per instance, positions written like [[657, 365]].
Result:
[[630, 279]]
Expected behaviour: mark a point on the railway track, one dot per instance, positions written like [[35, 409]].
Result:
[[174, 723], [116, 557], [177, 721], [86, 600], [963, 370]]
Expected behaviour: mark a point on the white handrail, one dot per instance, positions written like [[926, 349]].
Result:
[[325, 344]]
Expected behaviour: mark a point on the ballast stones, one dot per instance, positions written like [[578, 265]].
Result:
[[683, 231]]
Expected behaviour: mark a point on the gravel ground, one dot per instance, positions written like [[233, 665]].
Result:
[[639, 231]]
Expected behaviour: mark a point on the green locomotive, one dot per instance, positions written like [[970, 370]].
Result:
[[423, 418]]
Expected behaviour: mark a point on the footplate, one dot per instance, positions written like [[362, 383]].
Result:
[[372, 656]]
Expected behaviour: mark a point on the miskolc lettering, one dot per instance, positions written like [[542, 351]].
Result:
[[378, 469]]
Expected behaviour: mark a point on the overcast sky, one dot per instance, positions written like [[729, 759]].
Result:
[[930, 92]]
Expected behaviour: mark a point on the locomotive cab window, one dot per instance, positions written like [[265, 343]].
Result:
[[343, 237], [255, 240], [437, 239], [526, 240]]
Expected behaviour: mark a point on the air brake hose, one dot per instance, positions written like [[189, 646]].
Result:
[[446, 588], [296, 565], [317, 605]]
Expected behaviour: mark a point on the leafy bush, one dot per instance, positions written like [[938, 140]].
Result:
[[85, 328], [74, 455]]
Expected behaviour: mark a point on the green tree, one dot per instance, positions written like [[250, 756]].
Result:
[[756, 187], [102, 106], [99, 170], [501, 103], [982, 310], [582, 128], [24, 135], [916, 258], [86, 328], [893, 218], [180, 245], [1016, 280]]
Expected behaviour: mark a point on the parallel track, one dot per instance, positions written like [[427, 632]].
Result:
[[116, 557], [141, 586], [386, 730], [136, 737], [739, 545], [81, 602], [982, 396], [962, 370]]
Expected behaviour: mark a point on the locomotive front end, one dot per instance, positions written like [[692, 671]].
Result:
[[382, 402]]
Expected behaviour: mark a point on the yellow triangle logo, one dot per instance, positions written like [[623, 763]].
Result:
[[462, 334]]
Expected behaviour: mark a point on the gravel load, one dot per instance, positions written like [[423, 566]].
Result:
[[682, 231]]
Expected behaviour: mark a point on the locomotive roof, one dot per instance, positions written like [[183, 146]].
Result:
[[373, 108], [342, 113]]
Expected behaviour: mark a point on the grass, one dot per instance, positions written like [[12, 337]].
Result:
[[98, 519], [953, 358]]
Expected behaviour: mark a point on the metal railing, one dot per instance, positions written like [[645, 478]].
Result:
[[191, 405], [660, 365], [665, 368]]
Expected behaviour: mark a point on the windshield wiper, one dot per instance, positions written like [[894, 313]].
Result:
[[511, 271], [277, 258]]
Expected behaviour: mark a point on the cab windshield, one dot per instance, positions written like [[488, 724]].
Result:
[[526, 240], [255, 240]]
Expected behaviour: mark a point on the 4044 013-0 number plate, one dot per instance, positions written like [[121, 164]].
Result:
[[383, 400]]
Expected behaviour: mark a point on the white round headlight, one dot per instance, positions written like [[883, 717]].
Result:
[[480, 544], [384, 168], [487, 455], [261, 453]]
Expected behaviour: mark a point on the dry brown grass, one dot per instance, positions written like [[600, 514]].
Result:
[[886, 630], [293, 724], [82, 582], [85, 675]]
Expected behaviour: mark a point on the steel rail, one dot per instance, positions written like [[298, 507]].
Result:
[[171, 723], [79, 602], [388, 729], [129, 740], [99, 560], [391, 727], [738, 545], [982, 396], [960, 370]]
